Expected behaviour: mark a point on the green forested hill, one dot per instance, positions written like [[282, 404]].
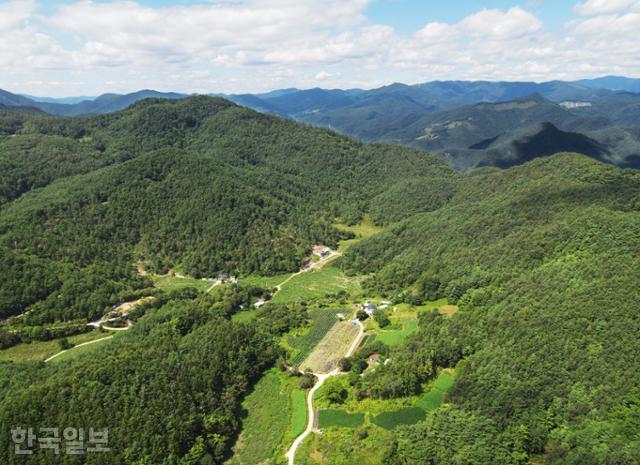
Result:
[[200, 184], [544, 261]]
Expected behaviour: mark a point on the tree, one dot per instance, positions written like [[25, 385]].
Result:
[[361, 315], [64, 344], [335, 393], [381, 317], [344, 364]]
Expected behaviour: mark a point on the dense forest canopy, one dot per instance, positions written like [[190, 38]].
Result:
[[544, 261]]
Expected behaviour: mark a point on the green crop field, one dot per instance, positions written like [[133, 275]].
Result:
[[317, 284], [267, 419], [298, 421], [339, 419], [321, 322], [393, 419], [265, 282], [41, 350]]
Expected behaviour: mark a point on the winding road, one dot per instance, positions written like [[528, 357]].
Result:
[[322, 377], [75, 347]]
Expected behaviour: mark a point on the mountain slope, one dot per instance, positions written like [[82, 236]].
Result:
[[200, 184], [520, 146]]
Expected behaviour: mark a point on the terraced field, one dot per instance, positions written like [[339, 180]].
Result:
[[321, 322], [333, 346]]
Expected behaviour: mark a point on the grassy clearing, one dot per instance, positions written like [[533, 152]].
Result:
[[77, 352], [342, 446], [329, 418], [37, 350], [244, 316], [436, 392], [317, 284], [172, 283], [265, 282], [298, 413], [401, 327], [333, 346], [366, 228], [302, 344], [393, 419], [272, 414]]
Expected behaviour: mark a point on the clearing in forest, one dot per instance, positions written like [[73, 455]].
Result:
[[333, 346]]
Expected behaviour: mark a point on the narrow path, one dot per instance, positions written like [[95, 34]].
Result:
[[75, 347], [322, 377]]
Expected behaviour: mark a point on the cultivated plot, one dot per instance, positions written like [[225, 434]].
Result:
[[333, 346]]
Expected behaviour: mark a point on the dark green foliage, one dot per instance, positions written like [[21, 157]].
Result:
[[170, 387], [452, 435], [381, 318]]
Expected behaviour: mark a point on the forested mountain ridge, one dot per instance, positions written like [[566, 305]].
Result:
[[542, 259], [200, 184]]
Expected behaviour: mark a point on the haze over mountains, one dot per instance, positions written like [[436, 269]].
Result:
[[469, 124]]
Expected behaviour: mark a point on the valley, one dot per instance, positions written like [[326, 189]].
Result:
[[292, 295]]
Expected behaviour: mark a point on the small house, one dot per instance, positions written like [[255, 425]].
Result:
[[374, 359], [259, 303]]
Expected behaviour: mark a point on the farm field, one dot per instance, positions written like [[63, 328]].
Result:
[[333, 346], [265, 282], [273, 415], [328, 418], [317, 284], [172, 283], [41, 350], [301, 345]]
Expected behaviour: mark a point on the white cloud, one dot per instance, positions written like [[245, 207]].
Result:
[[492, 24], [596, 7], [87, 47], [322, 75]]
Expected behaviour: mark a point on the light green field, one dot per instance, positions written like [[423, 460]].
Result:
[[298, 413], [400, 328], [244, 316], [364, 229], [435, 393], [265, 282], [41, 350], [317, 284], [275, 413], [172, 283]]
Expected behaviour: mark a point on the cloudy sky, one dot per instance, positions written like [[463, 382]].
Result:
[[87, 47]]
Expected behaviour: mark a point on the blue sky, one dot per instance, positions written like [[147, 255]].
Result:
[[409, 15], [86, 47]]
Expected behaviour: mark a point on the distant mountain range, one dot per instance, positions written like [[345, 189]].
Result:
[[468, 123]]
